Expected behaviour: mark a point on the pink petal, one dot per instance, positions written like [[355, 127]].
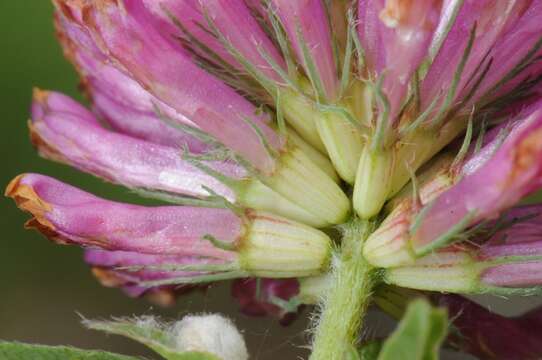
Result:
[[234, 21], [76, 138], [388, 28], [514, 275], [307, 20], [68, 215], [129, 35], [124, 104], [492, 19]]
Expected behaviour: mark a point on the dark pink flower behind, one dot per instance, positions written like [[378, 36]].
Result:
[[487, 335], [258, 297]]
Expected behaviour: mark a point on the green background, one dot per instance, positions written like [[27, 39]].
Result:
[[43, 286]]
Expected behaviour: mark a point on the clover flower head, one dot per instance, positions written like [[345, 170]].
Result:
[[271, 126]]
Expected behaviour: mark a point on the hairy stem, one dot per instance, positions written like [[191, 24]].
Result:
[[346, 302]]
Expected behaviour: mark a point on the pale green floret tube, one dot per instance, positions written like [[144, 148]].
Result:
[[399, 162], [299, 180], [256, 195], [343, 143], [319, 159], [373, 181], [330, 128], [299, 112], [277, 247]]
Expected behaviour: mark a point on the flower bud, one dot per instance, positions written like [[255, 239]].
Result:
[[195, 336], [212, 334]]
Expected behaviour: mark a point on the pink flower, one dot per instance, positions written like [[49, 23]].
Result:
[[434, 62], [65, 131], [403, 133], [187, 244], [493, 180], [502, 257]]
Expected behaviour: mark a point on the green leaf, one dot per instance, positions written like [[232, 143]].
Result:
[[193, 355], [370, 350], [151, 333], [418, 335], [19, 351]]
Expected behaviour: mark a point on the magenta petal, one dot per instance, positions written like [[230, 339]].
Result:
[[511, 48], [106, 268], [59, 103], [492, 140], [119, 99], [129, 35], [128, 263], [130, 109], [388, 28], [234, 21], [66, 214], [78, 139], [516, 275], [306, 20], [514, 253], [142, 125], [190, 15], [73, 37], [533, 248], [521, 235], [258, 7], [492, 18]]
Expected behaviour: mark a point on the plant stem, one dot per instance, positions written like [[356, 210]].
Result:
[[346, 302]]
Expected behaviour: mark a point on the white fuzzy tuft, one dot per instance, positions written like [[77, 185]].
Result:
[[210, 333]]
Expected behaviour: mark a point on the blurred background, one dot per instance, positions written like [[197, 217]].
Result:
[[43, 287]]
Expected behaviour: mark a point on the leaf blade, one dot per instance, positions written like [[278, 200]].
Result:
[[419, 334], [17, 351]]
